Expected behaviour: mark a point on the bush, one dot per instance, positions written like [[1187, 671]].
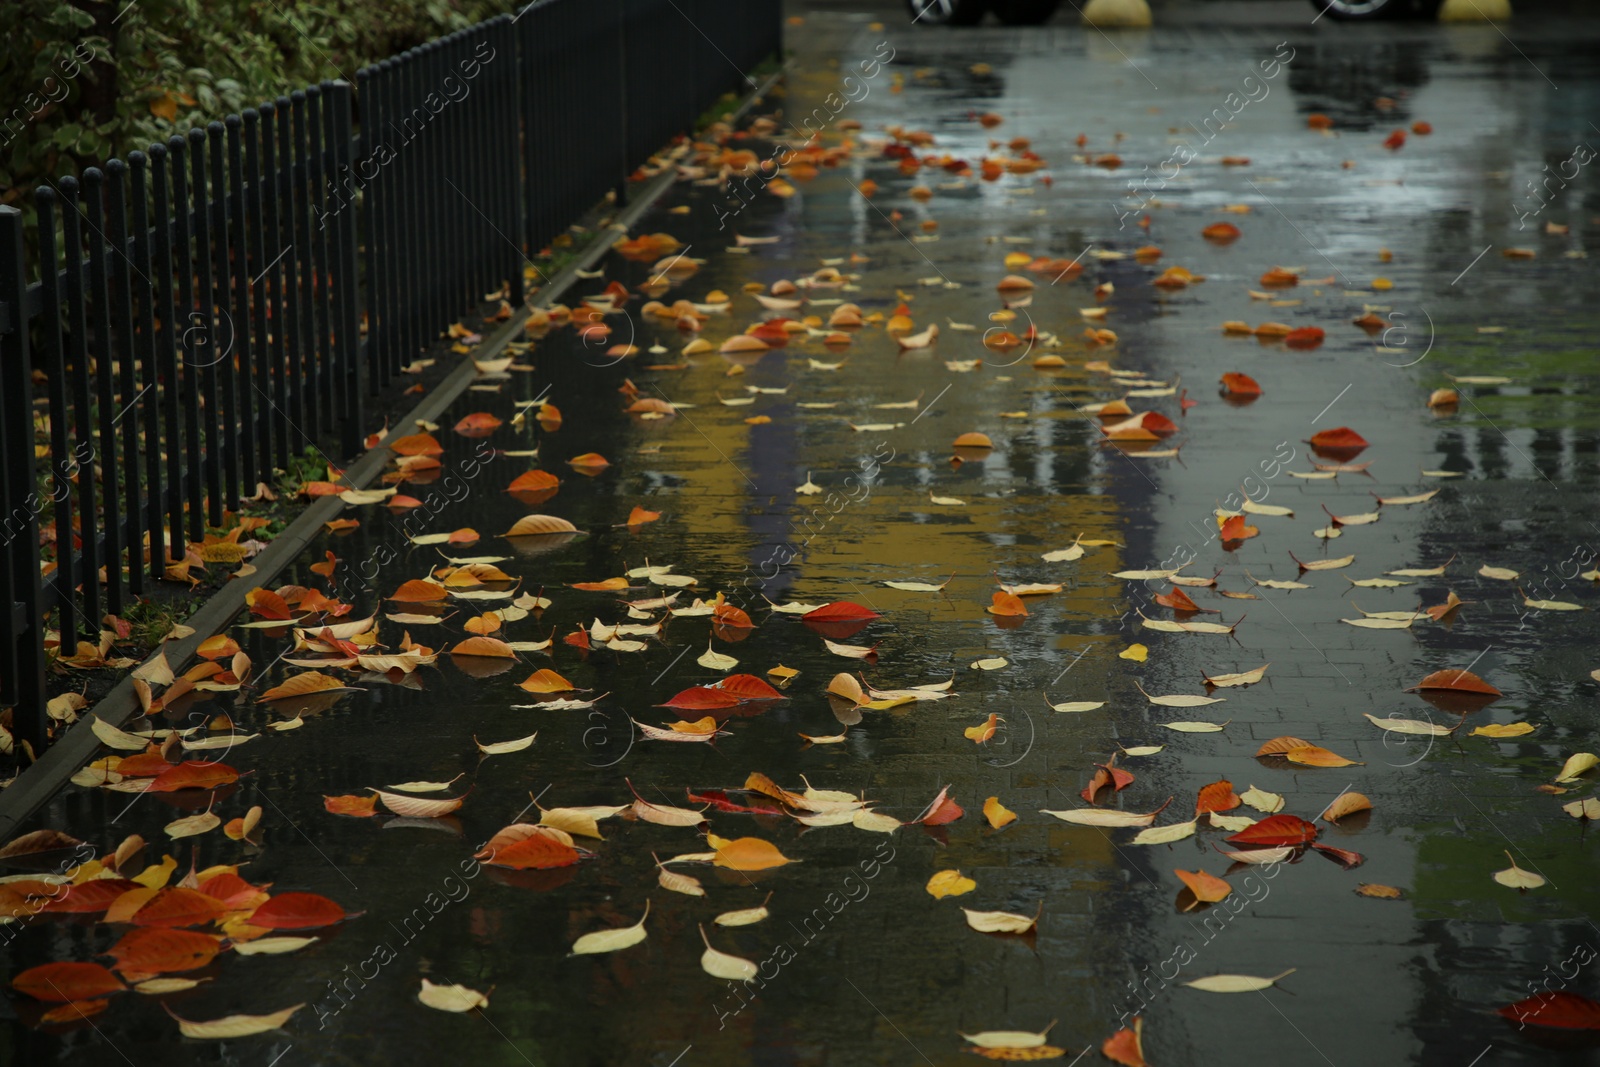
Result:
[[86, 81]]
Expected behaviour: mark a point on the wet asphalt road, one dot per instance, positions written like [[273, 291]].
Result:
[[891, 975]]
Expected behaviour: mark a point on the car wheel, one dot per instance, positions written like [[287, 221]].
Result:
[[1360, 10], [947, 12], [1024, 12]]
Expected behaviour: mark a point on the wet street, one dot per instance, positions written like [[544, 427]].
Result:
[[1087, 218]]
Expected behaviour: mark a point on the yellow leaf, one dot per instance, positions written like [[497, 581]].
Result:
[[997, 813], [950, 884], [1137, 653]]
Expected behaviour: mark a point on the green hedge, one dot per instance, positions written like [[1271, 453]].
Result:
[[81, 82]]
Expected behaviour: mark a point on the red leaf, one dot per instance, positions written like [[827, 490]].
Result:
[[1158, 423], [58, 983], [1276, 831], [1343, 857], [941, 811], [266, 604], [748, 687], [193, 774], [297, 911], [1559, 1010], [701, 698], [1341, 437], [840, 611], [718, 798], [159, 951]]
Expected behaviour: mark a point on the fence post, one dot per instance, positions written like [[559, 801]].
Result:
[[346, 289], [21, 596]]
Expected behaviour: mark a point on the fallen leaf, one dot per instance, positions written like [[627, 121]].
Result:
[[950, 884]]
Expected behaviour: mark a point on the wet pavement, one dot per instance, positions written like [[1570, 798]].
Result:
[[866, 966]]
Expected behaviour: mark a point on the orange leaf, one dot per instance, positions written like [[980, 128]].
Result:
[[523, 847], [1218, 796], [639, 516], [354, 806], [484, 646], [533, 481], [728, 615], [193, 774], [1241, 384], [1207, 888], [1278, 278], [610, 585], [589, 463], [1304, 337], [303, 685], [419, 591], [1458, 681], [974, 440], [73, 1011], [1221, 232], [58, 983], [1125, 1046], [418, 444], [177, 906], [218, 647], [1317, 756], [1178, 600], [983, 731], [548, 681], [749, 854], [1346, 804], [1007, 604], [478, 424], [155, 950], [325, 569], [532, 525], [1279, 745], [1234, 529]]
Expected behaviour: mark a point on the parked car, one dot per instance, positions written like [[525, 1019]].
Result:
[[1034, 12]]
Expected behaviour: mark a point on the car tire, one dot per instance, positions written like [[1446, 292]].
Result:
[[1363, 10], [947, 12], [1024, 12]]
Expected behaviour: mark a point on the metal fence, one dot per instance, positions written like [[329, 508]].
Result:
[[200, 312]]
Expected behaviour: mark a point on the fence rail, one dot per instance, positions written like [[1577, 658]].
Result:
[[200, 312]]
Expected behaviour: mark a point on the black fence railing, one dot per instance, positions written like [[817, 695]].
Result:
[[200, 312]]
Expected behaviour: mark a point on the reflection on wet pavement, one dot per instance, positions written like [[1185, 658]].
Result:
[[859, 964]]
